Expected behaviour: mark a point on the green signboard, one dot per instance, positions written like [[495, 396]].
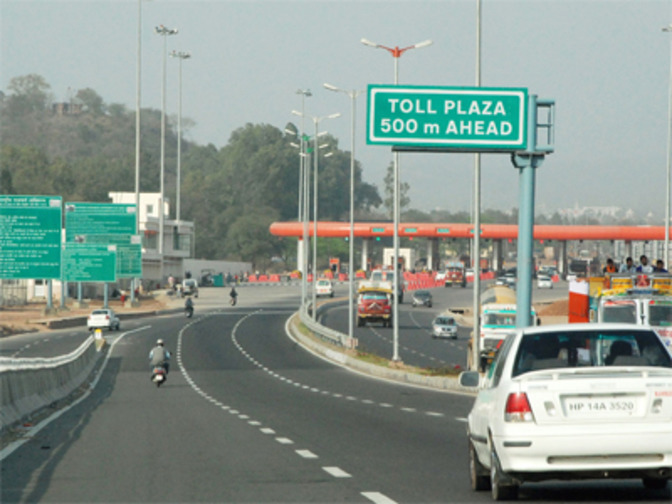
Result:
[[129, 252], [88, 262], [107, 224], [470, 119], [30, 237], [83, 219]]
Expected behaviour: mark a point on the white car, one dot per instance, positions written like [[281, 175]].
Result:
[[572, 401], [544, 282], [324, 287], [103, 318], [444, 326], [190, 287]]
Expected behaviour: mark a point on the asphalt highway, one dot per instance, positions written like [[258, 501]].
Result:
[[247, 415]]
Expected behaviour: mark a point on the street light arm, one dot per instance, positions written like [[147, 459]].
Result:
[[419, 45]]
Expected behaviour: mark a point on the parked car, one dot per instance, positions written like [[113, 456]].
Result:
[[324, 287], [422, 298], [573, 401], [103, 318], [544, 282], [190, 287], [444, 326]]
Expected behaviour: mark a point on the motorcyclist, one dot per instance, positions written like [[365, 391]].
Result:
[[233, 295], [159, 356]]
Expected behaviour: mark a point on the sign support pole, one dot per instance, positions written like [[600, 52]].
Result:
[[526, 162]]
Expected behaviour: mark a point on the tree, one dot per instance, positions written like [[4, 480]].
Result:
[[30, 93], [92, 101], [404, 200], [248, 238]]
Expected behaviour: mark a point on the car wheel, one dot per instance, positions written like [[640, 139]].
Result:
[[480, 478], [654, 483], [501, 486]]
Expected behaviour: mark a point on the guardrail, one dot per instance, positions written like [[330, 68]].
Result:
[[29, 384], [326, 333]]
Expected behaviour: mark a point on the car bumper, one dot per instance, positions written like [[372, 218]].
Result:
[[445, 334], [637, 448]]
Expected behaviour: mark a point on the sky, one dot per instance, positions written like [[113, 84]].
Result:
[[606, 63]]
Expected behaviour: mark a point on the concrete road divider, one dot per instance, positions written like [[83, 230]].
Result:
[[30, 384]]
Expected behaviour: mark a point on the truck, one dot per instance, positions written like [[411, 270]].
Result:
[[374, 304], [498, 320], [636, 299], [455, 274], [384, 278]]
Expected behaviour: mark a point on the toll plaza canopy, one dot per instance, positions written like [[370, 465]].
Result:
[[461, 230]]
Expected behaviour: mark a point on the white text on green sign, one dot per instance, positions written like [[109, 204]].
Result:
[[470, 119]]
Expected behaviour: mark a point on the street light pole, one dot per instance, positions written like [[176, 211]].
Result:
[[302, 247], [396, 53], [138, 71], [316, 122], [669, 159], [164, 32], [181, 56], [351, 276], [476, 263]]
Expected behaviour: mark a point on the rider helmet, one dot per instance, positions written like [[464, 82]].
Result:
[[159, 342]]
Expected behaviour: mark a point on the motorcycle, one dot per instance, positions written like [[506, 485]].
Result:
[[232, 300], [159, 375], [189, 311]]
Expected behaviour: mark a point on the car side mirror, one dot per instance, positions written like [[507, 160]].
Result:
[[470, 379]]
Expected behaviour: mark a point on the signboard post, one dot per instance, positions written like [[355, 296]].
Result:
[[470, 119]]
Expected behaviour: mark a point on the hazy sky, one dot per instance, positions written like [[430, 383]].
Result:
[[605, 63]]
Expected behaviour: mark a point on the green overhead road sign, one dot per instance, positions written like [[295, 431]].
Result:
[[129, 252], [86, 262], [82, 219], [469, 119], [30, 237]]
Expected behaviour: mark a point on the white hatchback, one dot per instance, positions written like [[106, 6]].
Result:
[[572, 401], [544, 282], [324, 287]]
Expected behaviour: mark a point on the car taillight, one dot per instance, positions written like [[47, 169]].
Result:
[[518, 408]]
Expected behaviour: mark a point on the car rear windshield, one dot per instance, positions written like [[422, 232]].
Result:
[[590, 349], [445, 321], [99, 312]]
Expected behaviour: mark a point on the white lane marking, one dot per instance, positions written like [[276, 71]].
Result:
[[378, 498], [284, 440], [434, 414], [307, 454], [461, 419], [267, 430], [337, 472]]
